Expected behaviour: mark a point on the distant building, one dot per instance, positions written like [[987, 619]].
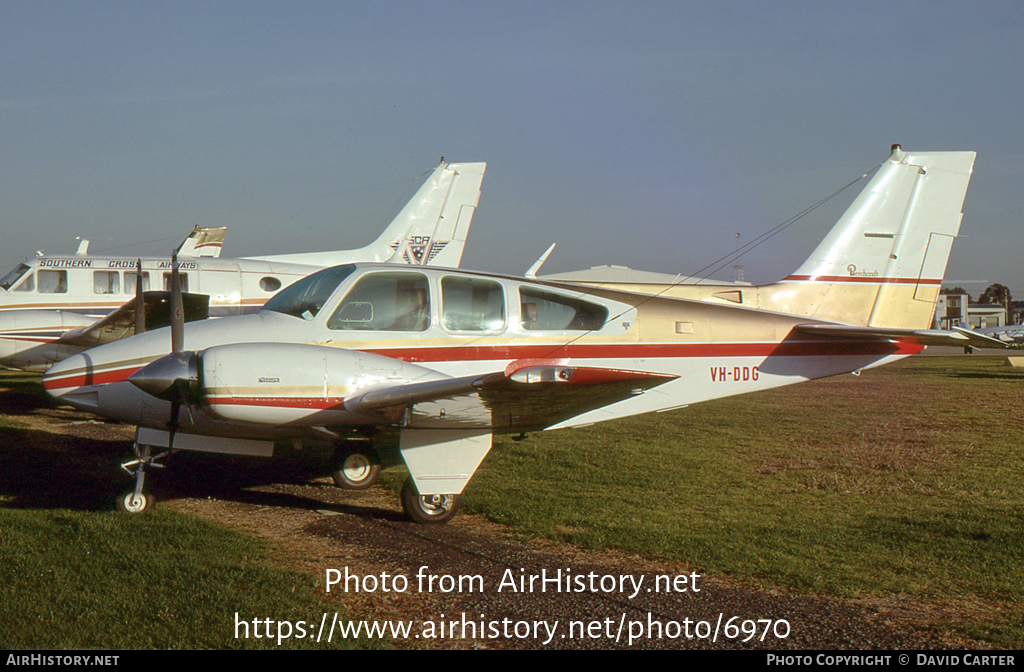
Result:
[[957, 310]]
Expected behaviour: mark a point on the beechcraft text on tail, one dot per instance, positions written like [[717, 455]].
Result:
[[422, 366], [43, 299]]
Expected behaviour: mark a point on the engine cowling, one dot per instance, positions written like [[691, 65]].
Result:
[[279, 383]]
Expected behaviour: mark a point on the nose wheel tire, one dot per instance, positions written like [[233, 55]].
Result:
[[428, 509], [132, 503], [357, 471]]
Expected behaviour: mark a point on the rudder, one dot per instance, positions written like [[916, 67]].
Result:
[[882, 263]]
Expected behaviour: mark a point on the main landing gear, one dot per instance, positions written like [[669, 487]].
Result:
[[356, 468], [138, 501], [428, 509]]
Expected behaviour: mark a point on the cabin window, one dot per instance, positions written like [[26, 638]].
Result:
[[472, 304], [546, 311], [385, 302], [129, 281], [269, 284], [53, 282], [184, 281], [8, 280], [304, 298], [28, 285], [106, 282]]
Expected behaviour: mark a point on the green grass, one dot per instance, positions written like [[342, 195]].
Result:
[[74, 575], [74, 580], [903, 481]]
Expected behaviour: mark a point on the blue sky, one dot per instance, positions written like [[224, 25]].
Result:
[[645, 134]]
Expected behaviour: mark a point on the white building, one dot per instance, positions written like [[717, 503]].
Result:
[[955, 309]]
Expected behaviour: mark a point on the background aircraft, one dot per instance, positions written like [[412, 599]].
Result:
[[1011, 335], [43, 299], [423, 366]]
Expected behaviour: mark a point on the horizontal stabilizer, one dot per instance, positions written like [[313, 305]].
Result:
[[957, 337]]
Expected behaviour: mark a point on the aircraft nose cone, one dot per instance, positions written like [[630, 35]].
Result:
[[158, 378]]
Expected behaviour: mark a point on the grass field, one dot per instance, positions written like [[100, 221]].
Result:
[[903, 483], [900, 485], [74, 575]]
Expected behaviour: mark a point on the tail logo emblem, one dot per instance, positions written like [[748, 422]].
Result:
[[852, 270]]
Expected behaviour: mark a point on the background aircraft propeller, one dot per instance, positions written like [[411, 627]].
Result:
[[140, 302]]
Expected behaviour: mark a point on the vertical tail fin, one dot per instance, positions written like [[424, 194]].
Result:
[[430, 230], [882, 263], [203, 242]]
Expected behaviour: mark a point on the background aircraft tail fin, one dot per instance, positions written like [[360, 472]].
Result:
[[432, 228], [882, 263], [203, 242]]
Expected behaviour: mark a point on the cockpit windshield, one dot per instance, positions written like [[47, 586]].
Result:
[[306, 297], [11, 278]]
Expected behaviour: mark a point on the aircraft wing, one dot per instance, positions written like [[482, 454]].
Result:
[[958, 336], [121, 323], [1012, 335], [527, 396]]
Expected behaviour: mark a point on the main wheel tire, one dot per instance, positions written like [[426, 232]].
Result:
[[428, 509], [128, 503], [357, 471]]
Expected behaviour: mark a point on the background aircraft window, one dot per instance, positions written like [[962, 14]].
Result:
[[472, 304], [304, 298], [28, 285], [167, 281], [8, 280], [53, 282], [129, 282], [269, 284], [385, 302], [553, 312], [106, 282]]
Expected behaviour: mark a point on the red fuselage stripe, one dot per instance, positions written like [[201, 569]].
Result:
[[820, 348], [868, 279]]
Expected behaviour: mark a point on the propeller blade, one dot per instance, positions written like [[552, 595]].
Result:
[[177, 342], [140, 301], [177, 310], [183, 393], [172, 425]]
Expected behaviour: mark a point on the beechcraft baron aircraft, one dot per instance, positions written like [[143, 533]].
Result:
[[55, 306], [424, 365]]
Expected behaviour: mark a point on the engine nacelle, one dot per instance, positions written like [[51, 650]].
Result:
[[295, 384]]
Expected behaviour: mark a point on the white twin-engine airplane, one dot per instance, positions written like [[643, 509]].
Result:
[[55, 306], [423, 366]]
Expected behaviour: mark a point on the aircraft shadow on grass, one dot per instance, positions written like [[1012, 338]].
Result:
[[991, 375], [23, 396], [47, 470]]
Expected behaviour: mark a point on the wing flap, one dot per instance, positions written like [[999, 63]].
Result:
[[522, 398]]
